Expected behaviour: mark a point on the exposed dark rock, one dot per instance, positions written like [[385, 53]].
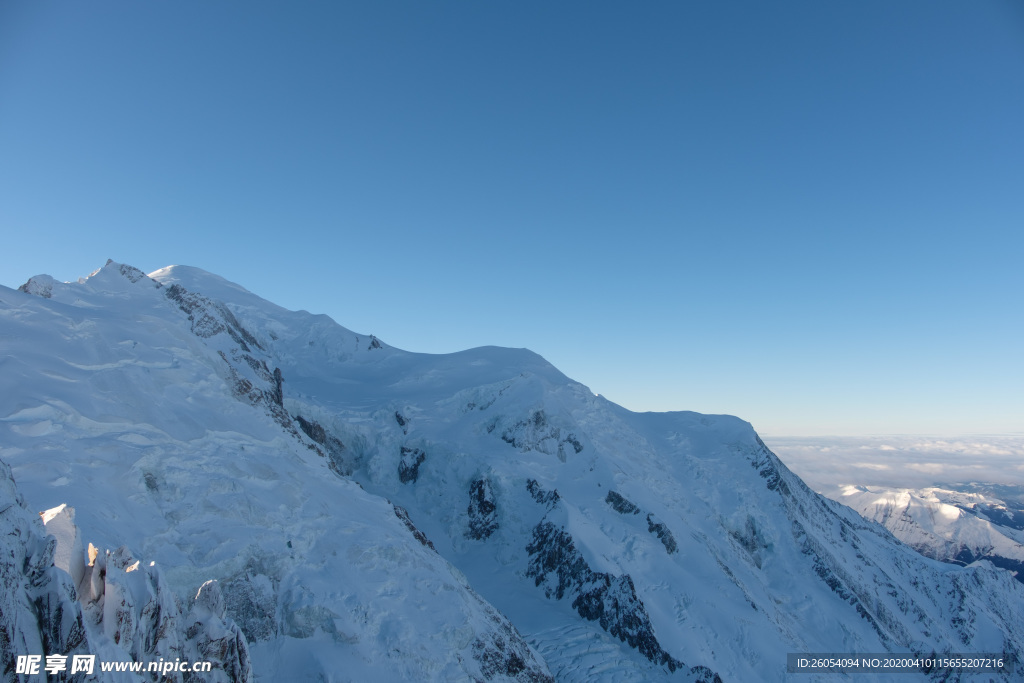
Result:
[[221, 643], [487, 402], [266, 395], [409, 465], [702, 674], [312, 429], [251, 600], [663, 533], [335, 448], [768, 467], [610, 600], [832, 576], [40, 285], [535, 433], [132, 273], [502, 653], [621, 505], [374, 344], [483, 519], [548, 499], [402, 421], [625, 507], [751, 540], [1001, 515], [403, 515], [278, 391], [248, 376], [209, 318], [198, 308]]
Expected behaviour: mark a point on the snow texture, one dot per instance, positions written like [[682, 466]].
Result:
[[373, 514]]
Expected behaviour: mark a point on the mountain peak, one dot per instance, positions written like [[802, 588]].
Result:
[[445, 517]]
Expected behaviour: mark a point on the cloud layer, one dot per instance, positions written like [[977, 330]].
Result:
[[902, 461]]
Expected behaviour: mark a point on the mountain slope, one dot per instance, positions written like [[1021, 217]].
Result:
[[946, 524], [152, 413], [332, 484]]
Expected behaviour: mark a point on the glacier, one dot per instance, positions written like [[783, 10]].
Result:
[[372, 513]]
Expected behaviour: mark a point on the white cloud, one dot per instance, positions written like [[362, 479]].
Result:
[[912, 461]]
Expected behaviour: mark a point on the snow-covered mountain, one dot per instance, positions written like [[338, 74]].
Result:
[[959, 525], [370, 513]]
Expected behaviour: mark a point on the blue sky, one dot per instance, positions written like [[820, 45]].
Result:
[[806, 214]]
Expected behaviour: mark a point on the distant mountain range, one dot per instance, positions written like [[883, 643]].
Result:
[[957, 523]]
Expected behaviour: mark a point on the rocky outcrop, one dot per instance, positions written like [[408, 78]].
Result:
[[536, 433], [131, 606], [557, 565], [654, 526], [549, 499], [403, 515], [210, 318], [40, 285], [56, 603], [214, 637], [248, 375], [251, 599], [331, 446], [503, 654], [482, 511], [620, 504], [663, 533], [39, 613], [409, 464]]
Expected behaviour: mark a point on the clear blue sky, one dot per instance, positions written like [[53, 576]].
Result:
[[807, 214]]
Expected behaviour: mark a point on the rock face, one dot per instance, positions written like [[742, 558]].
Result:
[[328, 445], [57, 604], [131, 605], [620, 504], [245, 361], [401, 516], [535, 433], [40, 285], [214, 637], [483, 520], [409, 465], [663, 533], [39, 613], [560, 569]]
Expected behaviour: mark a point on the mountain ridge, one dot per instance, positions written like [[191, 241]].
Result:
[[505, 466]]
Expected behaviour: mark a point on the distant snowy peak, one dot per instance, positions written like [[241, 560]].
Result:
[[324, 339], [202, 280], [949, 525], [112, 279]]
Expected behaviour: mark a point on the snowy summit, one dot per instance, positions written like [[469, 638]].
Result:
[[329, 507]]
